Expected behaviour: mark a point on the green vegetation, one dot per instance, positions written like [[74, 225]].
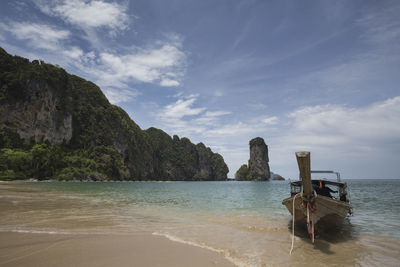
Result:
[[243, 174], [105, 142], [180, 159], [258, 141], [44, 161]]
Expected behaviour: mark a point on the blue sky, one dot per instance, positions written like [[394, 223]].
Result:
[[321, 76]]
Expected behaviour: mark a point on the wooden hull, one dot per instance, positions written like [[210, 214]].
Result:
[[327, 209]]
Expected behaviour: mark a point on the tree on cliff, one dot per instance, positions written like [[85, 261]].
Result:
[[243, 173]]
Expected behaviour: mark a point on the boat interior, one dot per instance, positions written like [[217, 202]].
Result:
[[341, 187]]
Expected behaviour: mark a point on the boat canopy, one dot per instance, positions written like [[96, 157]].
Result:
[[337, 174]]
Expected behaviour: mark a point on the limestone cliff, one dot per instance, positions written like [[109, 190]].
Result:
[[243, 173], [258, 167], [34, 114], [258, 163], [43, 103], [177, 158], [276, 177]]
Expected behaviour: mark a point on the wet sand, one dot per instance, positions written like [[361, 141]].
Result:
[[37, 249]]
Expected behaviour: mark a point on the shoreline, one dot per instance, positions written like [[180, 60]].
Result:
[[41, 249], [182, 225]]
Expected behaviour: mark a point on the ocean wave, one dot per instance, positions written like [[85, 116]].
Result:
[[23, 231], [227, 255]]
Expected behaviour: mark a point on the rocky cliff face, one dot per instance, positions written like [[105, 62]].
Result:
[[179, 159], [42, 102], [258, 163], [243, 173], [35, 115], [258, 168]]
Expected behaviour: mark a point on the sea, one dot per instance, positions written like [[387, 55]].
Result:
[[243, 221]]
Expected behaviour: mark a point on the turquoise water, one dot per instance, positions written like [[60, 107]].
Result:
[[245, 221], [376, 205]]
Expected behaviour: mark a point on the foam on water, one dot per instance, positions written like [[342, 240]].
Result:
[[237, 261]]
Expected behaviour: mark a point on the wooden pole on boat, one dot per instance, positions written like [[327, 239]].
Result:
[[303, 160]]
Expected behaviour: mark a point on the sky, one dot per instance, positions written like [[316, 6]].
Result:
[[318, 76]]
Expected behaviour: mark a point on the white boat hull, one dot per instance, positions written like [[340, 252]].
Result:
[[327, 209]]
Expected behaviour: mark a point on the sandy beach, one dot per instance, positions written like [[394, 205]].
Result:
[[37, 249]]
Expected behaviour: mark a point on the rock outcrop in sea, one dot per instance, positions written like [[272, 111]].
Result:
[[276, 177], [258, 166], [70, 124]]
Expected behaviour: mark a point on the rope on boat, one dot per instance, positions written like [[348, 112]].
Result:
[[290, 253], [314, 211], [314, 208], [311, 210], [310, 222]]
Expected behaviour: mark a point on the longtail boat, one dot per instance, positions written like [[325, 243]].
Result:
[[310, 201]]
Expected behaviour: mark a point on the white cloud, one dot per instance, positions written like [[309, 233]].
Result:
[[270, 120], [182, 117], [165, 56], [180, 109], [89, 14], [120, 95], [375, 123], [168, 82], [163, 65], [40, 35], [366, 136], [152, 65], [74, 53], [217, 113]]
